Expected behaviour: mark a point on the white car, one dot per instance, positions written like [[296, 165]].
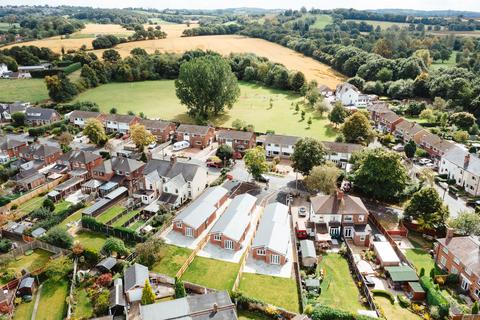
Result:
[[181, 145], [424, 161], [152, 145]]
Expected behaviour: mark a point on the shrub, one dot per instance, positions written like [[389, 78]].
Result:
[[434, 297], [58, 236], [179, 289], [452, 279], [104, 280], [5, 245], [403, 301], [385, 294]]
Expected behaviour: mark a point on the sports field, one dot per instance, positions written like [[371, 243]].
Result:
[[157, 99]]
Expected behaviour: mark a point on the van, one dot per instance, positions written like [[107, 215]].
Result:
[[180, 145], [301, 230]]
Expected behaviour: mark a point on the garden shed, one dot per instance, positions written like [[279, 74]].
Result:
[[309, 255], [415, 291], [106, 265], [26, 287], [400, 276]]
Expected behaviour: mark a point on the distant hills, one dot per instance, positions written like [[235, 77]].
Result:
[[430, 13]]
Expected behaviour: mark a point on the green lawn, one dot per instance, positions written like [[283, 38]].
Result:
[[280, 292], [73, 217], [125, 218], [27, 207], [24, 310], [383, 24], [173, 258], [212, 273], [137, 224], [5, 26], [91, 240], [32, 90], [451, 62], [338, 287], [83, 309], [420, 259], [53, 305], [110, 213], [395, 311], [32, 262], [321, 21], [416, 119], [248, 315], [62, 205], [253, 106]]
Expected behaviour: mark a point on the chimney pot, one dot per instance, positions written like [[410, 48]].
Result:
[[466, 160], [215, 308], [450, 233], [173, 159]]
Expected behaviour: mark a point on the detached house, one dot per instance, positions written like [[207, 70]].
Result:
[[120, 171], [231, 228], [172, 182], [460, 255], [11, 147], [7, 109], [280, 145], [40, 154], [347, 94], [340, 215], [80, 163], [162, 130], [79, 118], [198, 136], [41, 116], [195, 218], [272, 240], [119, 122], [238, 140], [463, 167]]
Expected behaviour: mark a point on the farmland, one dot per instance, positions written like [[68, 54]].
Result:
[[252, 107], [382, 24], [321, 21], [32, 90]]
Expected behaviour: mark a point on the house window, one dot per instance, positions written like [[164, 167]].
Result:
[[444, 249], [217, 237], [456, 260], [362, 238], [443, 261], [178, 224], [361, 217], [198, 142], [347, 218], [477, 292], [261, 252], [176, 191], [454, 270]]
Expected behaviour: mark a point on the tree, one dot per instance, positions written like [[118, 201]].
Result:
[[338, 114], [321, 107], [427, 208], [18, 119], [467, 223], [297, 82], [148, 296], [460, 136], [58, 236], [323, 178], [439, 104], [114, 245], [95, 131], [427, 115], [307, 154], [57, 269], [5, 245], [463, 120], [475, 308], [60, 89], [113, 110], [424, 55], [149, 251], [111, 55], [65, 138], [104, 280], [379, 167], [101, 302], [48, 204], [357, 128], [179, 289], [256, 161], [427, 176], [384, 75], [206, 85], [225, 153], [239, 124], [410, 149], [141, 136], [313, 96], [89, 76], [77, 248]]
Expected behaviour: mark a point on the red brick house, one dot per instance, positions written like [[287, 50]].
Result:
[[428, 141], [238, 140], [376, 109], [388, 120], [231, 228], [124, 171], [41, 153], [272, 240], [41, 116], [198, 136], [162, 130], [79, 118], [407, 131], [460, 255], [80, 163], [28, 180], [195, 218], [11, 147]]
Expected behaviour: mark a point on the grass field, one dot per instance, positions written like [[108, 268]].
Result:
[[280, 292], [110, 213], [53, 305], [125, 218], [4, 26], [338, 288], [382, 24], [212, 273], [252, 107], [451, 62], [32, 90], [321, 21], [248, 315], [91, 240], [32, 262], [83, 309], [173, 258], [24, 310], [395, 311]]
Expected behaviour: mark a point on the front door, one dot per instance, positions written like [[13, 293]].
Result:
[[347, 232], [465, 284], [229, 244], [189, 232], [275, 259], [334, 231]]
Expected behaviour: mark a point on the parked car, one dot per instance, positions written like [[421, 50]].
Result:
[[398, 147], [424, 161], [152, 145], [301, 230], [180, 145], [302, 212], [369, 281], [379, 237]]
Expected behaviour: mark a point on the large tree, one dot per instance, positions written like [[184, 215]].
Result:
[[427, 208], [256, 161], [467, 223], [323, 178], [141, 136], [357, 128], [338, 114], [224, 152], [380, 174], [60, 89], [149, 251], [206, 85], [463, 120], [94, 131], [410, 149], [308, 153], [114, 245], [18, 118], [58, 236]]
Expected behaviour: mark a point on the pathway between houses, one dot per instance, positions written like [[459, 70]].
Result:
[[37, 302]]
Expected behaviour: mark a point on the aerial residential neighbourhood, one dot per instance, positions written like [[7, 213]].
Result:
[[244, 160]]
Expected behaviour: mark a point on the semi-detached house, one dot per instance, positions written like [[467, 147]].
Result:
[[277, 145], [463, 167], [79, 118], [119, 122], [407, 131], [238, 140], [162, 130], [198, 136]]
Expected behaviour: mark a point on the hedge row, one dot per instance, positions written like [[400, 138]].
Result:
[[434, 297], [38, 131], [385, 294], [72, 67], [119, 232]]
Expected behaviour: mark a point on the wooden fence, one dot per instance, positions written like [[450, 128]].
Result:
[[201, 244], [36, 244]]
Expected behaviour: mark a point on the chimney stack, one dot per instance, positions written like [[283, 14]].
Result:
[[450, 233], [340, 195], [215, 308], [173, 159], [466, 160]]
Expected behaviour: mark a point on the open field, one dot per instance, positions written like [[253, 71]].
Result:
[[212, 273], [91, 240], [382, 24], [338, 288], [53, 305], [252, 107], [322, 21], [173, 258], [32, 90], [280, 292], [451, 62], [35, 261], [96, 28], [395, 311]]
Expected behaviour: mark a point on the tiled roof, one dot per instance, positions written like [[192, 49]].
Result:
[[281, 139], [324, 204], [341, 147], [234, 134], [466, 249], [193, 129]]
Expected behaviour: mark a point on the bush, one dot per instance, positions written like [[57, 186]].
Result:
[[58, 236], [434, 297], [72, 68], [403, 301], [383, 293], [5, 245]]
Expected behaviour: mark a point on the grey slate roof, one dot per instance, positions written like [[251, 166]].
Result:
[[80, 156], [273, 232], [8, 144], [457, 157], [84, 114], [119, 164], [281, 139], [38, 232], [155, 124], [117, 298], [193, 129], [342, 147], [307, 247], [464, 249], [233, 222], [39, 150], [135, 275], [197, 307], [39, 114], [167, 169], [235, 134], [26, 283], [107, 263]]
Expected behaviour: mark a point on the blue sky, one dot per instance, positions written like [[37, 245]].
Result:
[[469, 5]]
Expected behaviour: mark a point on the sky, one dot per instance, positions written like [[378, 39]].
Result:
[[464, 5]]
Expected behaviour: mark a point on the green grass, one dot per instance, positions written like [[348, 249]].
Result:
[[451, 62], [73, 217], [383, 24], [125, 218], [109, 214], [173, 258], [338, 288], [321, 21], [5, 26], [83, 309], [24, 310], [415, 119], [75, 75], [35, 261], [62, 205], [395, 311], [91, 240], [137, 224], [28, 206], [212, 273], [420, 259], [32, 90], [52, 304], [280, 292], [252, 107], [248, 315]]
